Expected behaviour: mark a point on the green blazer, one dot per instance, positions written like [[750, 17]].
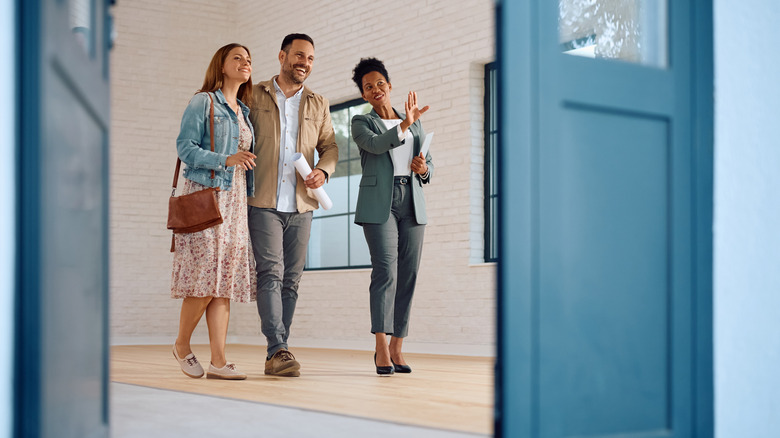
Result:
[[375, 196]]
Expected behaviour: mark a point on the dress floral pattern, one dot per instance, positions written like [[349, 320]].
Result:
[[218, 261]]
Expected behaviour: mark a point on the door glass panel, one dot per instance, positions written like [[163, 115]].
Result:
[[81, 12], [626, 30]]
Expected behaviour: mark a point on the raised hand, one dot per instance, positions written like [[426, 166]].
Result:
[[245, 160], [413, 113]]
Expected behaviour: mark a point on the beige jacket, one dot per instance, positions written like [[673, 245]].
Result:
[[315, 131]]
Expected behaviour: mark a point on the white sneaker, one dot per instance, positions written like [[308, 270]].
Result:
[[189, 365], [228, 372]]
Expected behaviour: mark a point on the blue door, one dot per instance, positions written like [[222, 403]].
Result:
[[62, 341], [605, 269]]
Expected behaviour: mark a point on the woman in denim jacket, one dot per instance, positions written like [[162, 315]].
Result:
[[216, 265]]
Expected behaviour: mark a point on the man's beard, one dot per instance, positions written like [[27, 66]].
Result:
[[290, 72]]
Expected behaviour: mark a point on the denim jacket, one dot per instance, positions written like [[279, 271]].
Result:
[[194, 143]]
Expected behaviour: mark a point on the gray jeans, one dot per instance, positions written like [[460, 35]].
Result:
[[396, 249], [279, 242]]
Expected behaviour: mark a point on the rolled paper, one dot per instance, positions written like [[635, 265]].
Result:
[[303, 168]]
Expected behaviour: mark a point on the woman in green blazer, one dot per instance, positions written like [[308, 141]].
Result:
[[390, 207]]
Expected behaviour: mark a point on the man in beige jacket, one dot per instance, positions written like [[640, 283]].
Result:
[[287, 118]]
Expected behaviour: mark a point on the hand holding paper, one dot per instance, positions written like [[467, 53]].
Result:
[[419, 165], [315, 179], [303, 168]]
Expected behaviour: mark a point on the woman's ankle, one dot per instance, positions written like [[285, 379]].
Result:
[[182, 349]]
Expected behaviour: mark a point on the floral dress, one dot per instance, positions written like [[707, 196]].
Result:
[[218, 261]]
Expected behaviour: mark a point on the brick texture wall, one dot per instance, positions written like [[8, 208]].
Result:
[[437, 48]]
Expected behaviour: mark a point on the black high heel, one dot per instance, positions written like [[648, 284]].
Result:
[[383, 371], [405, 369]]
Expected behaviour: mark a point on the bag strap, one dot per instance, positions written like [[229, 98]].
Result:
[[211, 135], [211, 127]]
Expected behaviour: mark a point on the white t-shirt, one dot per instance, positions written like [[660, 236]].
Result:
[[402, 155]]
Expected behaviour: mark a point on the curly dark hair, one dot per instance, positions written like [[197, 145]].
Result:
[[366, 66]]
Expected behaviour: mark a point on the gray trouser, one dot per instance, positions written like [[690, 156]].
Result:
[[279, 242], [396, 248]]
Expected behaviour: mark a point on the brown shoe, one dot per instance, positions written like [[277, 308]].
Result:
[[283, 364]]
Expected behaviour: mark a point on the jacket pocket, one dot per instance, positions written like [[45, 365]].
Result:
[[221, 131], [264, 120], [368, 180], [309, 129]]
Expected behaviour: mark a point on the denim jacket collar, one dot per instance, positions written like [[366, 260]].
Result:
[[220, 98]]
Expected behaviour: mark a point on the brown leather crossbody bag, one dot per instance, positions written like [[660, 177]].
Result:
[[196, 211]]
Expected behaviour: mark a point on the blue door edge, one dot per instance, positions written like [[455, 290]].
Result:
[[30, 62], [516, 368], [702, 36], [27, 331]]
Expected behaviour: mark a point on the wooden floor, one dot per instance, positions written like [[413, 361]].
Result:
[[446, 392]]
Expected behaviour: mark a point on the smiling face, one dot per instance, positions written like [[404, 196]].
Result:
[[376, 89], [237, 66], [297, 61]]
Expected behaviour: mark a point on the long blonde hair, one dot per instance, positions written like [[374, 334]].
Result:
[[214, 75]]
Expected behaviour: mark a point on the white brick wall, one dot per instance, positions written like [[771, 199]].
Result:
[[437, 48]]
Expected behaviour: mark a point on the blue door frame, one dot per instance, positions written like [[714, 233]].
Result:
[[61, 327], [534, 308]]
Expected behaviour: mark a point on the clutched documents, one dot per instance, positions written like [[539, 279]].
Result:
[[426, 144], [304, 169]]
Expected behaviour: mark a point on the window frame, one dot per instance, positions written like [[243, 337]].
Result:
[[338, 107], [491, 126]]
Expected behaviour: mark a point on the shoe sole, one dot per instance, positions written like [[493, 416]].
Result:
[[287, 373], [224, 377]]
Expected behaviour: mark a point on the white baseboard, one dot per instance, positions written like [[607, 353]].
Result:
[[362, 345]]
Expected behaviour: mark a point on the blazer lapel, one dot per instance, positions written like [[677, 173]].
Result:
[[414, 129], [378, 123]]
